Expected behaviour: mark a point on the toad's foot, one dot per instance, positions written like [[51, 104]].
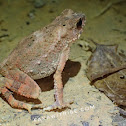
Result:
[[58, 105]]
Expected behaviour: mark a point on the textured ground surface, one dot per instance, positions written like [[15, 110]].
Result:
[[106, 23]]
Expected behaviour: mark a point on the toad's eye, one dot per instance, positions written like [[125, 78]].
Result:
[[64, 25], [79, 24]]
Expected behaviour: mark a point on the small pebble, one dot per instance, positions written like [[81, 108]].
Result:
[[31, 14], [39, 3], [27, 22], [84, 123], [35, 116]]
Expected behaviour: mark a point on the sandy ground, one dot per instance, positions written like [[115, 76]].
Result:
[[106, 23]]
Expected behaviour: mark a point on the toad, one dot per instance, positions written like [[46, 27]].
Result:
[[37, 56]]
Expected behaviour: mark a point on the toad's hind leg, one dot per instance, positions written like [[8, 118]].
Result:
[[22, 84], [15, 103], [58, 86]]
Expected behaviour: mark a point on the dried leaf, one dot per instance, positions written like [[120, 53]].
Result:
[[107, 71]]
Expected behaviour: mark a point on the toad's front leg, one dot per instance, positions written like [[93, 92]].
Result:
[[58, 86]]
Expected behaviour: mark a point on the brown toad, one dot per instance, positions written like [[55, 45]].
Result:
[[37, 56]]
